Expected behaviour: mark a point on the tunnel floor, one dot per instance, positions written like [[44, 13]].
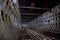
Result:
[[23, 35]]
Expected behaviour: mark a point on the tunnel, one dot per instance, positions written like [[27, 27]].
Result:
[[29, 20]]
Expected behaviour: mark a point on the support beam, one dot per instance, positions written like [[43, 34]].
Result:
[[29, 14], [34, 8]]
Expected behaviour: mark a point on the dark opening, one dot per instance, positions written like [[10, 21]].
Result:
[[53, 17], [7, 2], [48, 21], [59, 24], [2, 15]]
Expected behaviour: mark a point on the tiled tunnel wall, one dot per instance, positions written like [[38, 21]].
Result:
[[47, 22], [9, 29]]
